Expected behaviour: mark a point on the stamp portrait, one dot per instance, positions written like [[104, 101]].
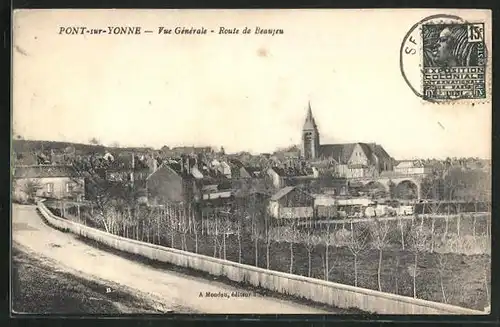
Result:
[[454, 61]]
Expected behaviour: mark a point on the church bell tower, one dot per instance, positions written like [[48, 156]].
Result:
[[310, 137]]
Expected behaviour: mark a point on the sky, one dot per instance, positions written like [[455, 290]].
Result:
[[243, 92]]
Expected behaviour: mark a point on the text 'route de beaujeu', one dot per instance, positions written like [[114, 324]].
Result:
[[162, 30]]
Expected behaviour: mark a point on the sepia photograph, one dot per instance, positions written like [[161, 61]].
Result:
[[251, 162]]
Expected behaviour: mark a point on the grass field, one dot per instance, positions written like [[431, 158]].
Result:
[[461, 244], [40, 288]]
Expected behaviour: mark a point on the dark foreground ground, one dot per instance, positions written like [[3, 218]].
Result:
[[39, 288]]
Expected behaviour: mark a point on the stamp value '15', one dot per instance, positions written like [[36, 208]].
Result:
[[454, 61]]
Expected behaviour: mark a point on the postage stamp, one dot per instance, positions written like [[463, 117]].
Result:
[[454, 61], [445, 59]]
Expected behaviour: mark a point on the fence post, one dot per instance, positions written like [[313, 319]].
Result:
[[79, 213]]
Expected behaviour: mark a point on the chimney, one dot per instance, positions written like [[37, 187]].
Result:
[[188, 165], [182, 163]]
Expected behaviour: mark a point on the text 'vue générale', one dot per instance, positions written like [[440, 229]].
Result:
[[162, 30]]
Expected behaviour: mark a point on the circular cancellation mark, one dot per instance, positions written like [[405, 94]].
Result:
[[443, 58]]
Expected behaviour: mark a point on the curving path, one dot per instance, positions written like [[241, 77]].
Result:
[[168, 290]]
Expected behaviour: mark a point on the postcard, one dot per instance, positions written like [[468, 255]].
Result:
[[251, 161]]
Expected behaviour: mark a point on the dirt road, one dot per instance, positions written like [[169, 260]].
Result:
[[164, 290]]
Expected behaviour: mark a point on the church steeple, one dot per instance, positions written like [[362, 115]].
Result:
[[309, 124], [310, 136]]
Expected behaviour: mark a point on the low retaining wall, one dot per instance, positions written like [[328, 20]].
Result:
[[338, 295]]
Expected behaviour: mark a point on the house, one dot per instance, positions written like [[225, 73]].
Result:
[[328, 184], [224, 168], [202, 170], [328, 206], [62, 157], [130, 168], [291, 203], [291, 175], [240, 170], [47, 181], [171, 182], [277, 177], [108, 157], [26, 158], [185, 180], [412, 167], [190, 150]]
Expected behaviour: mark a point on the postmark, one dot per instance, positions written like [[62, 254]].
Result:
[[444, 59]]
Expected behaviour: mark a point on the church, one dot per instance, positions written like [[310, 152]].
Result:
[[352, 159]]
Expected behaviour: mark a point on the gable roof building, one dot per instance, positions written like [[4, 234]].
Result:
[[354, 154], [43, 171], [47, 181]]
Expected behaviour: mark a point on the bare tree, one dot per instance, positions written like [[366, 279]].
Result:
[[215, 231], [396, 275], [442, 265], [402, 225], [225, 228], [487, 288], [418, 242], [239, 230], [183, 226], [101, 193], [329, 239], [172, 223], [292, 239], [357, 243], [434, 208], [308, 242], [379, 232], [196, 226], [30, 188], [94, 141], [255, 236], [268, 238]]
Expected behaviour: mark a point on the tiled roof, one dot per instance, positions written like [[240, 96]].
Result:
[[176, 167], [291, 172], [339, 152], [44, 171], [379, 151], [124, 161], [236, 162], [254, 171], [282, 192], [342, 152]]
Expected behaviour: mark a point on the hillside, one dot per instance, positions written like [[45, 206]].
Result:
[[80, 148]]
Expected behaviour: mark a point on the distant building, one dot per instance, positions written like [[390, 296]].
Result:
[[352, 159], [191, 150], [47, 181], [108, 156], [412, 167], [171, 182], [224, 168], [240, 170], [186, 181], [291, 176], [126, 168], [291, 203], [26, 159]]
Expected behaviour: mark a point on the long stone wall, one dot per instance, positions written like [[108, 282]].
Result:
[[338, 295]]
